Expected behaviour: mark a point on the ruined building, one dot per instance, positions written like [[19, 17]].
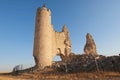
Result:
[[47, 41], [90, 46]]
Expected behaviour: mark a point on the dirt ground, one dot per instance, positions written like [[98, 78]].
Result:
[[64, 76]]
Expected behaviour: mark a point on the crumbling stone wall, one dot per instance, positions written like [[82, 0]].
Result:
[[63, 44], [90, 46]]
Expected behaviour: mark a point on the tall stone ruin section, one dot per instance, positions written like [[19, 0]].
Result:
[[90, 46], [47, 41]]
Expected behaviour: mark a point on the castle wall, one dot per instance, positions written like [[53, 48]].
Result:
[[60, 39]]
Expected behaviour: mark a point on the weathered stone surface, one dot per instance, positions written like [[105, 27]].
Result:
[[48, 42], [90, 46], [77, 63]]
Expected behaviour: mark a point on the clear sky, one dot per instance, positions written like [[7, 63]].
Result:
[[101, 18]]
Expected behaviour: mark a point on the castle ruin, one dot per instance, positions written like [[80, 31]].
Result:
[[90, 46], [47, 41]]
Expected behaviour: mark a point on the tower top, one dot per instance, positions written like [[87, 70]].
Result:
[[43, 8], [44, 5]]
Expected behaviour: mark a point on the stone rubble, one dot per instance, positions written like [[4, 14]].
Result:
[[77, 63]]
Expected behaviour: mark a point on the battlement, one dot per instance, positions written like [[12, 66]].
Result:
[[44, 8]]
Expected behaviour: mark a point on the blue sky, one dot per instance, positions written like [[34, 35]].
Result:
[[101, 18]]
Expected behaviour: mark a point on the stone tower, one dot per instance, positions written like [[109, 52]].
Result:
[[47, 41]]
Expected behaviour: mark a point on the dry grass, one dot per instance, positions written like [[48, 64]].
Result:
[[65, 76]]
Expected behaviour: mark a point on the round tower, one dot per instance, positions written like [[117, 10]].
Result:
[[43, 38]]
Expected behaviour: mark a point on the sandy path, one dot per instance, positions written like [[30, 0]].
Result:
[[6, 78], [10, 78]]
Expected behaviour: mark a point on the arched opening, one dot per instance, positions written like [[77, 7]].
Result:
[[57, 58]]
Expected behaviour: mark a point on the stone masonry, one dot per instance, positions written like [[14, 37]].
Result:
[[90, 46], [47, 41]]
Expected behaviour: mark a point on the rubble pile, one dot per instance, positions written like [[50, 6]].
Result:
[[77, 63], [111, 63]]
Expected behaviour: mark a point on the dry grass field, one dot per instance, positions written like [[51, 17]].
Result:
[[64, 76]]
